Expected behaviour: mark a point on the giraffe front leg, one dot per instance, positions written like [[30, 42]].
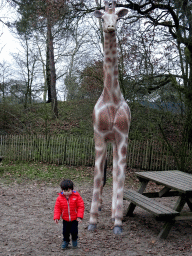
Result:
[[98, 186], [117, 192], [119, 206], [95, 201], [119, 179], [115, 167]]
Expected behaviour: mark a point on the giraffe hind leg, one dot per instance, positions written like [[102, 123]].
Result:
[[93, 227], [98, 185]]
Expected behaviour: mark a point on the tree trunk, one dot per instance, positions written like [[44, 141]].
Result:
[[48, 74], [28, 76], [52, 69], [188, 106]]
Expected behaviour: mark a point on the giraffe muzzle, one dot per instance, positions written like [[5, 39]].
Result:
[[111, 28]]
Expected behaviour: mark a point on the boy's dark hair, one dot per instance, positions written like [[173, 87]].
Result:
[[66, 184]]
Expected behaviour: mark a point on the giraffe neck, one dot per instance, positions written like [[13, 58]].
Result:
[[111, 90]]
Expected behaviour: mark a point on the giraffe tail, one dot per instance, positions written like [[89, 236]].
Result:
[[105, 173]]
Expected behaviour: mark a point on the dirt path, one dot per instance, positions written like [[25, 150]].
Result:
[[27, 227]]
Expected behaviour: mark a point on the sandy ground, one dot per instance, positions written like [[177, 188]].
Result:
[[27, 226]]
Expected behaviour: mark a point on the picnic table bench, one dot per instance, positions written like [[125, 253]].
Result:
[[176, 183], [159, 210]]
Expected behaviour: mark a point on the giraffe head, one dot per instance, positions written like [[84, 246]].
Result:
[[109, 17]]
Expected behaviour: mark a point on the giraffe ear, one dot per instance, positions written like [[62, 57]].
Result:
[[122, 13], [98, 14]]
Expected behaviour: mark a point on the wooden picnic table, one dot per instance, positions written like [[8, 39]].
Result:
[[175, 183]]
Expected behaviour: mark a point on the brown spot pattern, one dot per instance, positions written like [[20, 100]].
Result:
[[96, 197], [108, 60], [120, 185], [124, 151], [106, 96], [98, 183], [115, 99], [112, 111], [121, 122], [110, 137], [118, 172], [106, 45], [114, 61], [116, 72], [106, 36], [103, 123], [109, 81]]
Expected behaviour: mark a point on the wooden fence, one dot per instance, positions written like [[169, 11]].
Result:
[[70, 150]]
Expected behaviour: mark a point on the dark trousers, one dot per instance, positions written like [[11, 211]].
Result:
[[70, 227]]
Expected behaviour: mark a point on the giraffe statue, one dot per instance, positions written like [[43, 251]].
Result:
[[111, 122]]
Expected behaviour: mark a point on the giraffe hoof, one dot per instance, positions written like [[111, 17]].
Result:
[[117, 230], [92, 227]]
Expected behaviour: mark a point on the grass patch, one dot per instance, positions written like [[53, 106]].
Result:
[[53, 174], [40, 172]]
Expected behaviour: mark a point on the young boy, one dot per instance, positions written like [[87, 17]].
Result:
[[70, 206]]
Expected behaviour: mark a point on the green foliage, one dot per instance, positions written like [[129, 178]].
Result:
[[75, 118], [91, 80], [144, 122]]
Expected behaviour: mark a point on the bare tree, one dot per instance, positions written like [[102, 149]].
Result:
[[27, 64]]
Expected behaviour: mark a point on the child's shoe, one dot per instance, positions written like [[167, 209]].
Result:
[[64, 245], [74, 243]]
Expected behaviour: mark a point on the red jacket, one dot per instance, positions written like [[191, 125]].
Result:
[[69, 209]]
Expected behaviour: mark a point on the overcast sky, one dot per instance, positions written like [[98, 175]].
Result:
[[8, 44]]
